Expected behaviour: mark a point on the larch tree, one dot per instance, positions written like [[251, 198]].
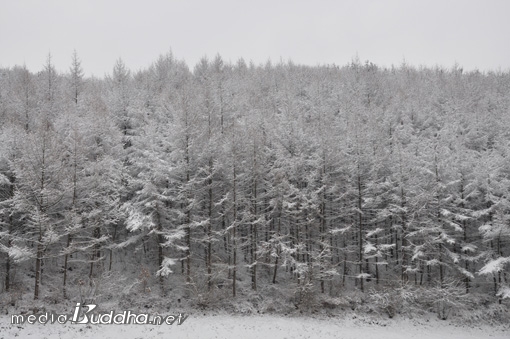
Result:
[[40, 173]]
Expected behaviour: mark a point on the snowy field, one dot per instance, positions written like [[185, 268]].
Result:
[[265, 327]]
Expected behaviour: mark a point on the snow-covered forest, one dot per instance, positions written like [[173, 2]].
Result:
[[270, 185]]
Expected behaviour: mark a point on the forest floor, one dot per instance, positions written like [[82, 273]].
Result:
[[270, 313], [200, 325]]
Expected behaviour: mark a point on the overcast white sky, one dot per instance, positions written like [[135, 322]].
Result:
[[475, 34]]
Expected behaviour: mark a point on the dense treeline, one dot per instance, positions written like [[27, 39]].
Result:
[[239, 176]]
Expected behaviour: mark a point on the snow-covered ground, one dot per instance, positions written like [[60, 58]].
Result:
[[261, 326]]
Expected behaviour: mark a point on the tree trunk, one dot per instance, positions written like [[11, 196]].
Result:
[[278, 246], [111, 251], [360, 228], [9, 241], [254, 241], [161, 240], [64, 292], [234, 236], [38, 260], [209, 232], [403, 236], [188, 215]]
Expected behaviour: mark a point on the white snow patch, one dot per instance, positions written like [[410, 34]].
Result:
[[494, 266], [165, 267], [259, 326], [504, 292]]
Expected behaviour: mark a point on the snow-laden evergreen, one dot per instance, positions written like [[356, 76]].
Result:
[[234, 179]]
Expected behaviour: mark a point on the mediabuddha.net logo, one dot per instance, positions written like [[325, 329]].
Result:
[[81, 316]]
